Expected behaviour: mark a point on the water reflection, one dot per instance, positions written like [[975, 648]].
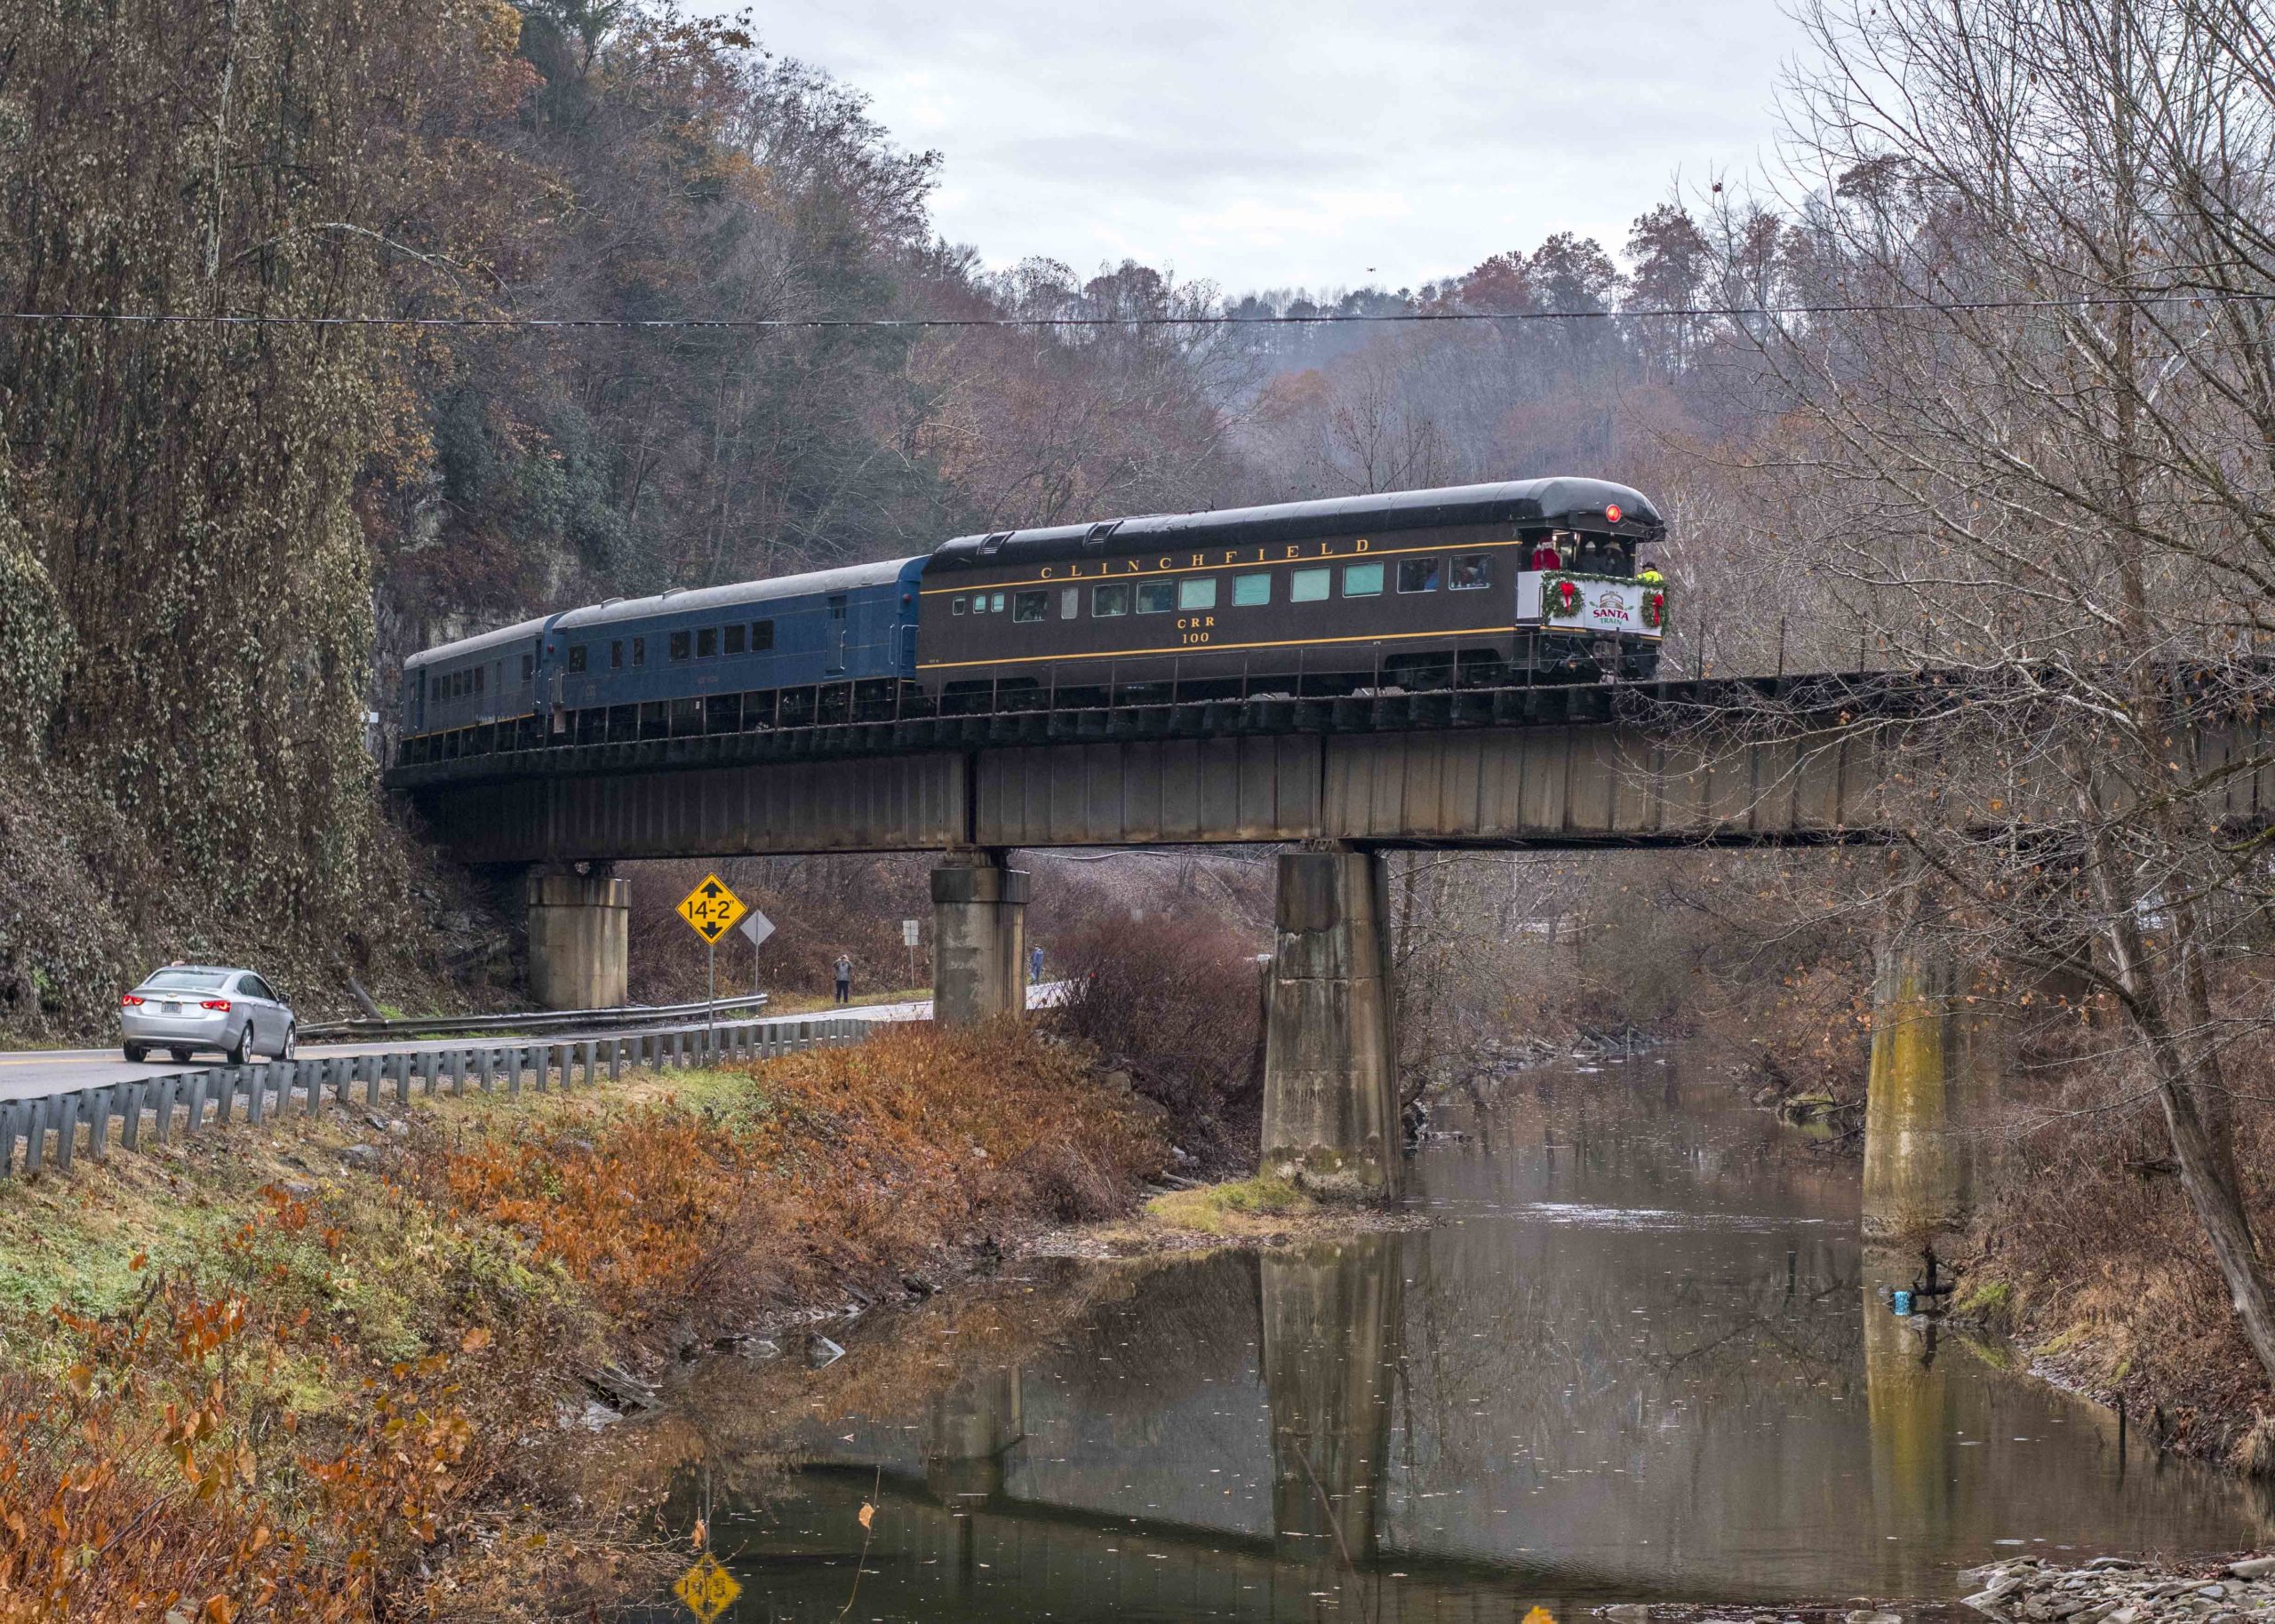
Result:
[[1331, 1318], [1638, 1358]]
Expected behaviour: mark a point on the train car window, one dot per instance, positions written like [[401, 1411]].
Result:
[[1110, 600], [639, 652], [1417, 575], [837, 607], [996, 603], [958, 604], [706, 643], [1309, 586], [1027, 607], [1197, 592], [735, 634], [683, 644], [576, 657], [477, 679], [762, 636], [616, 654], [1156, 597], [1362, 580], [1070, 602], [529, 666], [1471, 572], [1251, 590], [979, 603], [433, 688]]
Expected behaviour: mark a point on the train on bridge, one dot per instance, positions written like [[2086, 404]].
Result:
[[1465, 586]]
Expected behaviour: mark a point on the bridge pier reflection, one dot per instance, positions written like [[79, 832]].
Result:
[[1908, 1391], [967, 1431], [1331, 1318]]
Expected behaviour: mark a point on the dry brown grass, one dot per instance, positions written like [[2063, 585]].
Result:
[[836, 1164], [2111, 1276], [332, 1398]]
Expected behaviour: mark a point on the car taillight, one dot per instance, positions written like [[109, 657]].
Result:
[[220, 1004], [129, 999]]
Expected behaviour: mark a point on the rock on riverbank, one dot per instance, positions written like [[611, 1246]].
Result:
[[2113, 1590]]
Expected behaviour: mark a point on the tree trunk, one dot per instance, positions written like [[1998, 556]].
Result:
[[2219, 1207], [2184, 1075]]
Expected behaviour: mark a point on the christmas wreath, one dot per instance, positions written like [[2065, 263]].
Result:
[[1654, 608], [1563, 598]]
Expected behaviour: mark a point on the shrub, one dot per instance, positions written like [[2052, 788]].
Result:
[[835, 1162], [1178, 1004]]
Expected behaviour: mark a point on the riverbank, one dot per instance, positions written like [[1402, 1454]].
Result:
[[349, 1364], [2087, 1255], [2030, 1590]]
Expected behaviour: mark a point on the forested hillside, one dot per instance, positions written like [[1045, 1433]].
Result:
[[218, 537]]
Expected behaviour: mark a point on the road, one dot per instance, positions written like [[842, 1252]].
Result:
[[31, 1073]]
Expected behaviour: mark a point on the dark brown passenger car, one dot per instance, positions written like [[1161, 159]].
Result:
[[1412, 589]]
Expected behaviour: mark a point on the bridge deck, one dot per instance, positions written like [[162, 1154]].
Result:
[[1630, 764]]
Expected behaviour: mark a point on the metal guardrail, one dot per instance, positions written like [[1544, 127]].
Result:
[[529, 1021], [195, 1103]]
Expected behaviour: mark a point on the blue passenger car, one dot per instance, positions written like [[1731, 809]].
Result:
[[827, 646]]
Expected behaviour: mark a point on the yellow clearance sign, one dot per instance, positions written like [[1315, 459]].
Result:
[[707, 1589], [711, 909]]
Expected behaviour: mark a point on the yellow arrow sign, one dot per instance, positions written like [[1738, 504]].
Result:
[[707, 1589], [711, 909]]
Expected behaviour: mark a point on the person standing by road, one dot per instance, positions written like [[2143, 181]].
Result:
[[844, 977], [1034, 964]]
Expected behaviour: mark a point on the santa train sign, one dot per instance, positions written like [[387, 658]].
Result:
[[1598, 603]]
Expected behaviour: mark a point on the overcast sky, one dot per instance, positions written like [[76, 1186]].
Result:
[[1264, 143]]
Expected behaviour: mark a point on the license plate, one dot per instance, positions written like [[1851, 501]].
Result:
[[170, 1009]]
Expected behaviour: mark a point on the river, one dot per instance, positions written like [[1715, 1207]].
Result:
[[1638, 1356]]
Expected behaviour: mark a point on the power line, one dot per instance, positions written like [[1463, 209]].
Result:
[[172, 318]]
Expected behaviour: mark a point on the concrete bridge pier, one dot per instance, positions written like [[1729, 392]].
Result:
[[1330, 1052], [1935, 1064], [579, 935], [978, 940]]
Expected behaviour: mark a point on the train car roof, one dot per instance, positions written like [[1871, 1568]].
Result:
[[738, 594], [1567, 503], [480, 643]]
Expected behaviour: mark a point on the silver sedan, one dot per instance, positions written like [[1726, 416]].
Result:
[[186, 1007]]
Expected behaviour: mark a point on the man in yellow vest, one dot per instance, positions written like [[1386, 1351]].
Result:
[[1650, 576]]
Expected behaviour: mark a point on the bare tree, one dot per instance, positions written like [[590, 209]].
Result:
[[2033, 452]]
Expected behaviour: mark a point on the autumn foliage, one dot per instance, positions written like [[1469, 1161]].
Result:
[[166, 1466], [259, 1430], [832, 1165]]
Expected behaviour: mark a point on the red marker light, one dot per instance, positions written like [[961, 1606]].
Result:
[[1611, 513], [128, 999], [220, 1004]]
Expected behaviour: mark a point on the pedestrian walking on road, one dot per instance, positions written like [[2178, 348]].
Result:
[[1034, 964], [844, 977]]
